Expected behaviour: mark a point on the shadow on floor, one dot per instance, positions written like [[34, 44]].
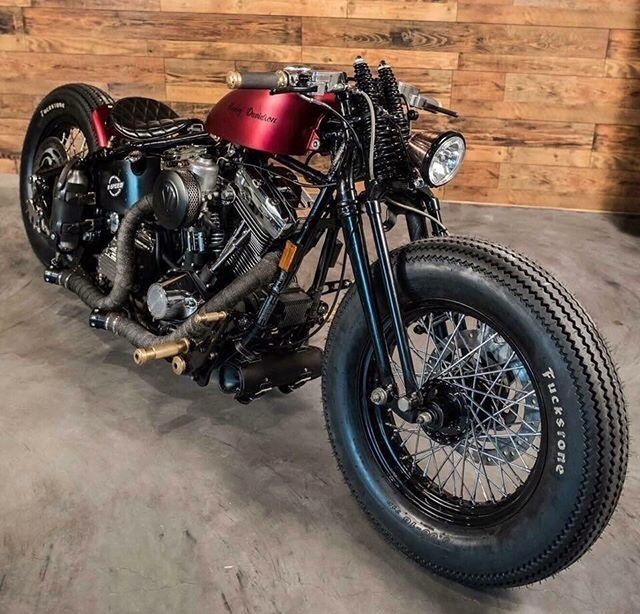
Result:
[[629, 224]]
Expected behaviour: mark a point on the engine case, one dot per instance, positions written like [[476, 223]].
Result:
[[264, 212], [124, 182]]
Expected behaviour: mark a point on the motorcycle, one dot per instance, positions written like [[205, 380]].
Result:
[[471, 404]]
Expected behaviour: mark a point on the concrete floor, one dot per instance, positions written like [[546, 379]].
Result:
[[131, 490]]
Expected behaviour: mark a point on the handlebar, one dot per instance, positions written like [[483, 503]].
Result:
[[277, 80]]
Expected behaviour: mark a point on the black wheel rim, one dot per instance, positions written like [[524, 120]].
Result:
[[484, 461], [61, 141]]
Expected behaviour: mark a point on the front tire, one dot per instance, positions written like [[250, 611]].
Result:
[[569, 492]]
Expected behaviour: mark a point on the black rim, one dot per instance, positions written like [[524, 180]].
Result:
[[483, 459], [60, 141]]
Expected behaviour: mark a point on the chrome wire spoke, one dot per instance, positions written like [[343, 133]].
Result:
[[481, 373], [481, 422], [445, 347], [466, 356], [498, 398], [488, 440]]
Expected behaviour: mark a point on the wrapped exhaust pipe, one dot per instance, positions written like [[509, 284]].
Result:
[[195, 327]]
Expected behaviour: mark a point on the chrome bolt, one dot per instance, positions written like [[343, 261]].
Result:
[[426, 417], [378, 396]]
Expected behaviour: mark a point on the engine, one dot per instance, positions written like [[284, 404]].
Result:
[[264, 213], [216, 220]]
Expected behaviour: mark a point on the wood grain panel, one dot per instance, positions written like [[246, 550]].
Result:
[[616, 139], [72, 45], [548, 90], [587, 112], [463, 37], [11, 136], [526, 64], [417, 10], [225, 51], [140, 5], [531, 155], [197, 80], [479, 174], [548, 15], [568, 90], [569, 180], [14, 106], [478, 86], [7, 165], [10, 20], [31, 73], [172, 26], [309, 8], [515, 133], [396, 57], [537, 198]]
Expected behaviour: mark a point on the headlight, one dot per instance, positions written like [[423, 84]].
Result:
[[439, 159]]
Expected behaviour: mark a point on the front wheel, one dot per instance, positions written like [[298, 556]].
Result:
[[522, 468]]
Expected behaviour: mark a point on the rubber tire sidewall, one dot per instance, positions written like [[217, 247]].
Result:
[[75, 111], [469, 555]]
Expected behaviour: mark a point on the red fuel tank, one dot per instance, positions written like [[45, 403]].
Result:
[[278, 124]]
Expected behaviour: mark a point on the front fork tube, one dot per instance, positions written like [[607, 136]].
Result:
[[356, 246]]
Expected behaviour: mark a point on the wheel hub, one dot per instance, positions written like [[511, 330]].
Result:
[[448, 410]]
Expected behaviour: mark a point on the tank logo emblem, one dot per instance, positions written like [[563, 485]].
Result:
[[263, 117], [252, 113], [51, 107], [115, 185]]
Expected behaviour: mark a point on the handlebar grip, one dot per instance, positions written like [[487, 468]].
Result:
[[257, 80]]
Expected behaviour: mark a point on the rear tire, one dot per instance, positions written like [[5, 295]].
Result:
[[582, 461], [66, 108]]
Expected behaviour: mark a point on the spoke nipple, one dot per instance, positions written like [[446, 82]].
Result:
[[378, 396]]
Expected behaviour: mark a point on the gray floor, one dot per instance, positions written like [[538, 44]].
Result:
[[131, 490]]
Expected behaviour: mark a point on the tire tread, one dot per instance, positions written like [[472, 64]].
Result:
[[586, 356]]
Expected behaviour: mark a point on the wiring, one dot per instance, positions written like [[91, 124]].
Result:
[[372, 131], [419, 212], [342, 118], [280, 176]]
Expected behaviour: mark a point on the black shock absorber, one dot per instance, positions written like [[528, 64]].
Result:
[[391, 95], [386, 150], [365, 81]]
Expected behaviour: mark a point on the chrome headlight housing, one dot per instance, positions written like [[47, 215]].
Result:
[[439, 159]]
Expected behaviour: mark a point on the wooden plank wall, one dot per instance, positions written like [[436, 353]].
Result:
[[548, 90]]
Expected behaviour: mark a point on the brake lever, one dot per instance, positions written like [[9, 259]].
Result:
[[432, 108]]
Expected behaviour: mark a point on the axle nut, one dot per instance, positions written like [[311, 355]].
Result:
[[379, 396], [426, 417]]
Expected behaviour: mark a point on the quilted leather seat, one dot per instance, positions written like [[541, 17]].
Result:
[[142, 119]]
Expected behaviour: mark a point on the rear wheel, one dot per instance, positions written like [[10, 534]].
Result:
[[60, 128], [522, 466]]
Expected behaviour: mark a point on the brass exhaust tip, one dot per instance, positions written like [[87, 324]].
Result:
[[144, 355], [179, 365], [210, 317]]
